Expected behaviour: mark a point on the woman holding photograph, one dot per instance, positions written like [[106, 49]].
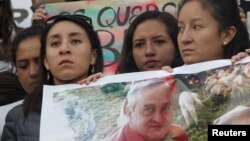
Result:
[[68, 56], [146, 48]]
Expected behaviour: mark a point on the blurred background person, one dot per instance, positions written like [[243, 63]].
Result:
[[26, 50], [8, 30]]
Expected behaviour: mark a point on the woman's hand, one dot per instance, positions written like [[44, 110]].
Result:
[[243, 15], [239, 56], [40, 14], [91, 78], [167, 68]]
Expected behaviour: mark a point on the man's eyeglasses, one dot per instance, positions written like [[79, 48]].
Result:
[[50, 20]]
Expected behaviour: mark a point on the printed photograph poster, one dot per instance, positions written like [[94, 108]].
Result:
[[110, 19], [120, 107]]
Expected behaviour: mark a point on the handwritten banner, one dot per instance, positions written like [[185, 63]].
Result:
[[21, 12], [110, 19]]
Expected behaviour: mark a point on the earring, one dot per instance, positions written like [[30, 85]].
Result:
[[92, 69], [225, 43], [48, 76]]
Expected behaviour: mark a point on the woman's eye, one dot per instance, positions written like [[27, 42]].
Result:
[[75, 41], [196, 27], [55, 44], [180, 29], [23, 66], [139, 44], [159, 42]]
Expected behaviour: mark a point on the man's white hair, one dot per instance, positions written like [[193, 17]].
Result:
[[142, 85]]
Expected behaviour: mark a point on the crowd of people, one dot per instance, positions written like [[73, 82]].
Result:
[[204, 30]]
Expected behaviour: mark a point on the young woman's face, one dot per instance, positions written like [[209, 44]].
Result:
[[68, 53], [27, 63], [199, 38], [152, 46]]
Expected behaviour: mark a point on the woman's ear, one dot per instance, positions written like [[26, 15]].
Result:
[[45, 62], [229, 34], [93, 57]]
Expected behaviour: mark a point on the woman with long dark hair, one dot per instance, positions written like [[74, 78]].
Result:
[[8, 30]]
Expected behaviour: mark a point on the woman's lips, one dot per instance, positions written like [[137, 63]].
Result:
[[187, 51], [151, 63], [34, 83], [65, 62]]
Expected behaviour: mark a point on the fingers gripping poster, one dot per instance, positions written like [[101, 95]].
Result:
[[153, 105]]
